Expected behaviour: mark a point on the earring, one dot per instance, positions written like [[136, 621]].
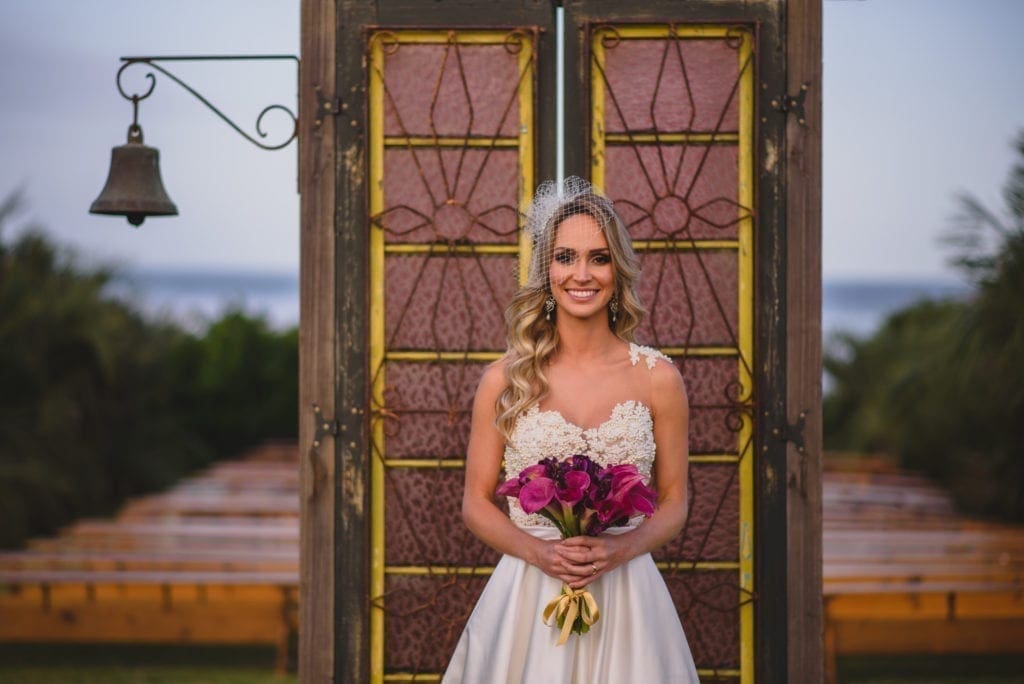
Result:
[[613, 307], [549, 306]]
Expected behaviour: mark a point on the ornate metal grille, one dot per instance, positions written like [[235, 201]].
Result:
[[451, 169], [451, 140], [672, 144]]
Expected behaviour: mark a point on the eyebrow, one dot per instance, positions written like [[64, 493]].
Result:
[[598, 250]]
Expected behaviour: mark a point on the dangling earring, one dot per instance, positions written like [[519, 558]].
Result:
[[613, 307], [549, 306]]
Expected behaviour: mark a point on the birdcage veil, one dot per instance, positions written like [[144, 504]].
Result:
[[554, 202]]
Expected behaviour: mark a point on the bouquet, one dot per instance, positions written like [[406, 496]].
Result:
[[581, 498]]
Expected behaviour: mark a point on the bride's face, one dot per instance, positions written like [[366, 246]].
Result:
[[581, 271]]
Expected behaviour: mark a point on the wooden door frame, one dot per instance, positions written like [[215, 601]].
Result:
[[333, 425], [333, 329], [789, 327], [805, 642], [318, 342]]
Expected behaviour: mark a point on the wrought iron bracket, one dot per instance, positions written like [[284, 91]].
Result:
[[793, 104], [793, 433], [153, 63], [327, 106], [324, 426]]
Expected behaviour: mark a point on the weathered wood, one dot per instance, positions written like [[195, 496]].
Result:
[[151, 622], [164, 577], [803, 347], [349, 601], [188, 504], [905, 574], [150, 607], [932, 636], [260, 579], [157, 559], [917, 574], [318, 362]]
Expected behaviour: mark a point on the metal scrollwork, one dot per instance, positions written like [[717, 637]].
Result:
[[261, 134]]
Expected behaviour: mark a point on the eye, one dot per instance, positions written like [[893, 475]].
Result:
[[602, 258], [564, 257]]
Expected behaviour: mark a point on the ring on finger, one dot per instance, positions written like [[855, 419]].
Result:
[[594, 566]]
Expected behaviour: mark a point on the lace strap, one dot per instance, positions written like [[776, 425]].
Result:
[[650, 354]]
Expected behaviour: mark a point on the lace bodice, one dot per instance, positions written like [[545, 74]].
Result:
[[626, 436]]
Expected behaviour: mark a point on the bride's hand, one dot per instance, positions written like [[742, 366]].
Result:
[[565, 563], [596, 555]]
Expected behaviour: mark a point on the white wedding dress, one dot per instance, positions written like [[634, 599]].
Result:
[[637, 639]]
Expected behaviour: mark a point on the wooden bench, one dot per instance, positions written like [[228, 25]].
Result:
[[903, 573], [279, 560], [214, 561], [150, 607], [113, 536], [213, 503]]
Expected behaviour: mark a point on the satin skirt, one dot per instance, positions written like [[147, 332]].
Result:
[[637, 639]]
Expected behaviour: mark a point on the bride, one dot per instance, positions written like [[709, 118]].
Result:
[[573, 382]]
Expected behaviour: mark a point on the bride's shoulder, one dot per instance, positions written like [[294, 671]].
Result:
[[494, 378], [666, 382]]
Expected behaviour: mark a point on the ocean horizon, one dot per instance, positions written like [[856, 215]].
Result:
[[196, 297]]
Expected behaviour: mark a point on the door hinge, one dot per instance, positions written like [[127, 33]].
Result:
[[793, 433], [327, 106], [324, 426], [793, 104]]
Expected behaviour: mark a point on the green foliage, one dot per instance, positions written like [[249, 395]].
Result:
[[941, 384], [98, 403]]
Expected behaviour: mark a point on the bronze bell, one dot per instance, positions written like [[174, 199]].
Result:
[[134, 188]]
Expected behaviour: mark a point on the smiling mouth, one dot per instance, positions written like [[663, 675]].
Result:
[[581, 295]]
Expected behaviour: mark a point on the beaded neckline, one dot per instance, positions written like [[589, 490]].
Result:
[[619, 407]]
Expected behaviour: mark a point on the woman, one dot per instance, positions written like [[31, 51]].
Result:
[[572, 382]]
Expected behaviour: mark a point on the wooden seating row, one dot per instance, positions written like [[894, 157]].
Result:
[[215, 560], [904, 573], [212, 561], [167, 606]]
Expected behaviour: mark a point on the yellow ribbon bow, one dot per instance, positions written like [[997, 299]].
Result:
[[569, 605]]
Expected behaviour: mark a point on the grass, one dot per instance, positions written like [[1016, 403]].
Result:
[[120, 664]]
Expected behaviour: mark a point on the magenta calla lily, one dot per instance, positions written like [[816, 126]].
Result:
[[536, 494], [509, 488], [576, 485]]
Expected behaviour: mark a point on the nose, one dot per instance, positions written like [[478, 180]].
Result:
[[582, 271]]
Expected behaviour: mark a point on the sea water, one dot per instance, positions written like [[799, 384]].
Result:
[[194, 297]]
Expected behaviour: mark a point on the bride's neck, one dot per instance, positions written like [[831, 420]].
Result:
[[586, 340]]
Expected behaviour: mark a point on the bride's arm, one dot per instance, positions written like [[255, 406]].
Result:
[[671, 413], [483, 468]]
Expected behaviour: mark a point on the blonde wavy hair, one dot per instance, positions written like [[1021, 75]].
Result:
[[532, 339]]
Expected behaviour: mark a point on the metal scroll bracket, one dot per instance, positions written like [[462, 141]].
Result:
[[155, 64], [793, 103]]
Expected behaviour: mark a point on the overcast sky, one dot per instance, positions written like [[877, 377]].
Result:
[[922, 99]]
